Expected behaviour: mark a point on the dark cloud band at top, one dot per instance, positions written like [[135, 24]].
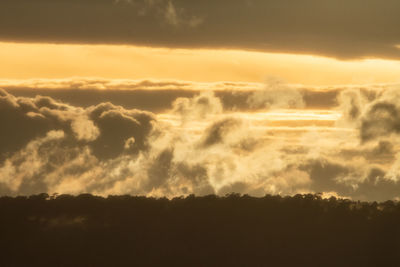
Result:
[[336, 28]]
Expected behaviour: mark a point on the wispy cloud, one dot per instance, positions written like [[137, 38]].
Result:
[[197, 147]]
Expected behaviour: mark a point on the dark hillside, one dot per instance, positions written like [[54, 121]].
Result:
[[304, 230]]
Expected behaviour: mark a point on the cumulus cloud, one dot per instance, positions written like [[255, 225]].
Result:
[[277, 94], [33, 123], [351, 103], [218, 131], [127, 151], [24, 119], [374, 112], [198, 107], [29, 118], [119, 129], [26, 164], [51, 146], [380, 120]]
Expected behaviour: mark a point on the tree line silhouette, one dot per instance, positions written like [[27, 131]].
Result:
[[234, 230]]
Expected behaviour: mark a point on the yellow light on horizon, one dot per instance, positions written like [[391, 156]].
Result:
[[57, 61]]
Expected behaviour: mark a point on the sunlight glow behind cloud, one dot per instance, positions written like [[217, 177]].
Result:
[[29, 60]]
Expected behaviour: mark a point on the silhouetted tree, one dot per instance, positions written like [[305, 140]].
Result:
[[235, 230]]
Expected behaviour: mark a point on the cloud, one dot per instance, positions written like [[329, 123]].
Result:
[[310, 27], [351, 102], [119, 129], [43, 137], [124, 84], [26, 163], [108, 149], [217, 132], [24, 119], [28, 118], [381, 119], [325, 175], [198, 107], [164, 10], [159, 95], [375, 112], [276, 94], [380, 152], [84, 129], [51, 146]]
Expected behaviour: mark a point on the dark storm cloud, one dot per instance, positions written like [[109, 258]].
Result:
[[338, 28]]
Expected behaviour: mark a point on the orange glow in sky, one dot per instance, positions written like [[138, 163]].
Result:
[[26, 61]]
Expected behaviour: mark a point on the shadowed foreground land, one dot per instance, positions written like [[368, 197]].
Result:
[[235, 230]]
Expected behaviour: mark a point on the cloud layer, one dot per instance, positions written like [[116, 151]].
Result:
[[197, 146], [342, 29], [159, 95]]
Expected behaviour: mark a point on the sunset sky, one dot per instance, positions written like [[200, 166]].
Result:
[[178, 97]]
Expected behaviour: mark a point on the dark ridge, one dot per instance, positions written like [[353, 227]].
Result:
[[235, 230]]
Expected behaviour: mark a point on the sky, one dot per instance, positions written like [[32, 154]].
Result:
[[173, 97]]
